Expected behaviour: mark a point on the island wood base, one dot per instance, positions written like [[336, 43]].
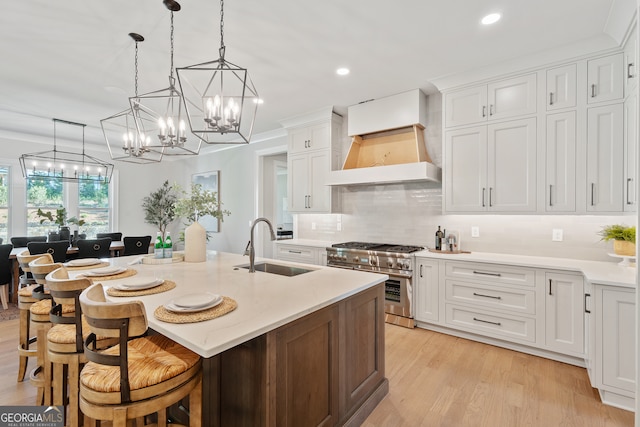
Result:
[[325, 369]]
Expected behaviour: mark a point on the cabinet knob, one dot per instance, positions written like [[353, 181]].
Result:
[[593, 91], [550, 98], [629, 73]]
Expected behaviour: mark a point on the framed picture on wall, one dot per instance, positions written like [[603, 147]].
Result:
[[209, 181]]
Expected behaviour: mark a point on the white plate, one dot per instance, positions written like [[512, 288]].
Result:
[[83, 262], [195, 300], [140, 284], [105, 271], [172, 307]]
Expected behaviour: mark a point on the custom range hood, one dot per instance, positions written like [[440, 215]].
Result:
[[387, 143]]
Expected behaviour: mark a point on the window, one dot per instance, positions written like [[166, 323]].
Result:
[[4, 203], [42, 193], [93, 207]]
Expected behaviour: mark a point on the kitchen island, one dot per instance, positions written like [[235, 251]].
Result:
[[302, 350]]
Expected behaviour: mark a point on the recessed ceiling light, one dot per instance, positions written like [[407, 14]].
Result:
[[342, 71], [491, 18]]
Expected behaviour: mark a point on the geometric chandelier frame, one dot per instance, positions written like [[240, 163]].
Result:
[[121, 134], [161, 114], [66, 165], [220, 98]]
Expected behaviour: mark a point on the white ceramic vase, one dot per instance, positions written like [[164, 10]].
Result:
[[195, 243]]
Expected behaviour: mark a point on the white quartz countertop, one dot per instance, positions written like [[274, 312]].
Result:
[[597, 272], [265, 301], [306, 242]]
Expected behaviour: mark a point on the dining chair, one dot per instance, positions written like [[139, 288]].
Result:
[[65, 340], [5, 273], [136, 245], [21, 241], [115, 237], [143, 374], [94, 248], [58, 250]]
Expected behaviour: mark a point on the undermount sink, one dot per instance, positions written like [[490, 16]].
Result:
[[282, 270]]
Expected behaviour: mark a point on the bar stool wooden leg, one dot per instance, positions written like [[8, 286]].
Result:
[[41, 375], [23, 344]]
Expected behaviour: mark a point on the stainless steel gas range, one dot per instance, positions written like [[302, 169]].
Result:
[[396, 261]]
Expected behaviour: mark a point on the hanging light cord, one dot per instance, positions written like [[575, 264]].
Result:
[[222, 47], [171, 69], [136, 72]]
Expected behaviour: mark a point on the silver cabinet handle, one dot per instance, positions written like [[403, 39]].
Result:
[[593, 187], [306, 202], [484, 111], [420, 270], [305, 144], [585, 303], [309, 141], [593, 91], [491, 110], [629, 202], [550, 293], [550, 98], [486, 321], [629, 75], [483, 191], [487, 273], [294, 252], [550, 200], [309, 196], [486, 296], [490, 196]]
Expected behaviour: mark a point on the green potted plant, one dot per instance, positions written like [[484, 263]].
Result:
[[198, 203], [159, 207], [60, 219], [624, 238]]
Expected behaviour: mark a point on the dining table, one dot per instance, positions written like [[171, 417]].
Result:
[[114, 248]]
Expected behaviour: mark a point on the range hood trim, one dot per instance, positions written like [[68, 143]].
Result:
[[391, 174]]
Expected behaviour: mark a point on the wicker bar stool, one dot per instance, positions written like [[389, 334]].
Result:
[[65, 341], [141, 375], [25, 300]]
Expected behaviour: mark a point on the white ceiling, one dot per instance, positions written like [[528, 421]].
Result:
[[73, 59]]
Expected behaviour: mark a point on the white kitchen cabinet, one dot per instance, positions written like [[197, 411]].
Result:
[[630, 63], [426, 292], [312, 155], [589, 333], [496, 101], [615, 335], [309, 138], [630, 152], [560, 166], [491, 168], [564, 318], [605, 78], [301, 253], [605, 141], [561, 87]]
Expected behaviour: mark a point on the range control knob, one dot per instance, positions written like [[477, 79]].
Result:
[[390, 263], [355, 259], [373, 262]]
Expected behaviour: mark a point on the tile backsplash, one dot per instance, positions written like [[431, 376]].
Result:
[[411, 214]]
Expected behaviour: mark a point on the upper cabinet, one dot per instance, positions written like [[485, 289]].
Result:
[[605, 78], [630, 63], [495, 101], [561, 87], [313, 153]]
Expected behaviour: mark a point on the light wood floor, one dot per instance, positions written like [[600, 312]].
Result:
[[437, 380], [440, 380]]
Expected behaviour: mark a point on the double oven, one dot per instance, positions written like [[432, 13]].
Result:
[[396, 261]]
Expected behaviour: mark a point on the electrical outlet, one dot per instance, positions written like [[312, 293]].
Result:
[[313, 225], [556, 235], [475, 231], [339, 226]]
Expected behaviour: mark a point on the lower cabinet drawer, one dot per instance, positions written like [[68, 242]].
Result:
[[297, 254], [498, 325], [495, 273], [516, 300]]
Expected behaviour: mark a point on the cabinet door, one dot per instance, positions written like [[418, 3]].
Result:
[[630, 150], [298, 182], [512, 97], [298, 140], [466, 106], [466, 170], [604, 77], [630, 63], [590, 333], [618, 338], [564, 313], [560, 164], [426, 290], [512, 166], [309, 138], [319, 196], [605, 159], [561, 87]]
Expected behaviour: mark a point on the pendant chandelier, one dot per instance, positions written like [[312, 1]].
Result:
[[220, 98], [161, 114], [65, 165], [123, 139]]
